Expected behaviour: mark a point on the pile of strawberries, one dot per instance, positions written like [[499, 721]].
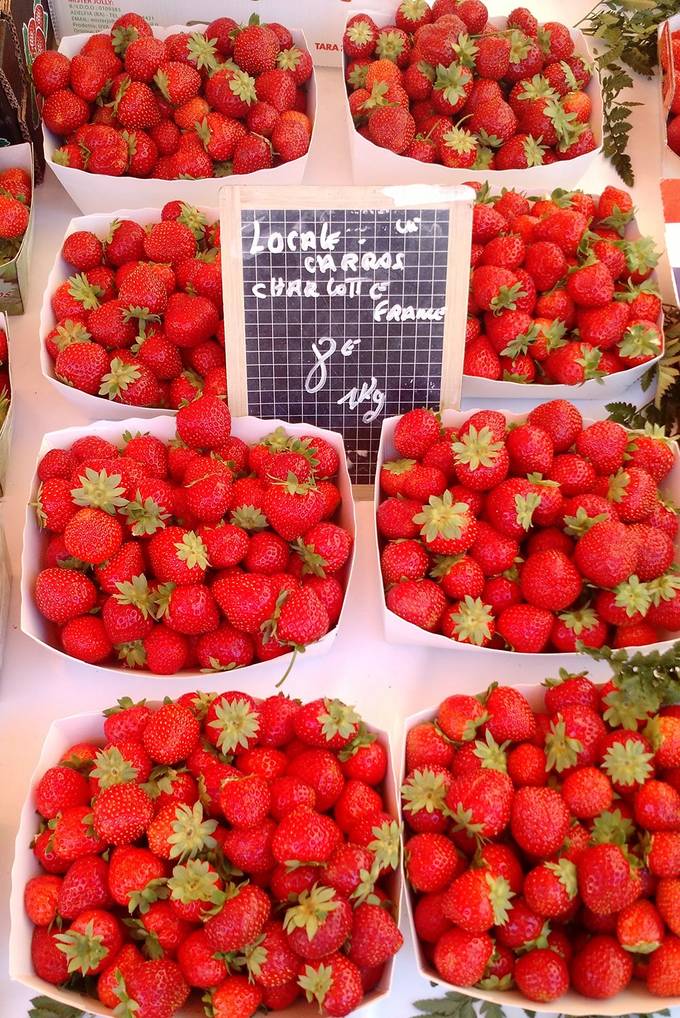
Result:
[[15, 211], [530, 536], [444, 85], [139, 321], [229, 99], [673, 130], [198, 553], [558, 292], [543, 846], [237, 847]]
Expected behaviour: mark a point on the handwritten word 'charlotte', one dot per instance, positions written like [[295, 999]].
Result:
[[317, 379], [279, 286]]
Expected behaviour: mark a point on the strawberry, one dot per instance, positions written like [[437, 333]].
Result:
[[461, 958], [157, 987], [541, 975], [122, 813], [334, 983], [601, 968]]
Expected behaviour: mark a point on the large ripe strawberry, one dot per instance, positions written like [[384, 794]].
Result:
[[539, 821], [461, 958]]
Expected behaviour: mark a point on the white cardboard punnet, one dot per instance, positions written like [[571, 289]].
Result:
[[372, 164], [670, 160], [397, 630], [99, 223], [604, 389], [63, 734], [634, 1000], [93, 192], [15, 274], [251, 430], [8, 424]]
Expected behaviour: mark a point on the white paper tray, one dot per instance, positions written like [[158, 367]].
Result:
[[250, 429], [604, 390], [372, 164], [94, 192], [398, 630], [64, 733], [634, 1000], [94, 406]]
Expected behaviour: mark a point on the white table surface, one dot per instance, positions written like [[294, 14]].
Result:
[[387, 682]]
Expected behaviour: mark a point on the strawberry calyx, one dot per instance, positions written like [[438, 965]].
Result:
[[317, 983], [424, 790], [202, 52], [633, 596], [363, 894], [192, 551], [151, 945], [132, 654], [293, 486], [195, 881], [145, 515], [640, 340], [399, 467], [442, 517], [243, 86], [236, 723], [247, 517], [506, 298], [142, 900], [338, 719], [69, 332], [466, 50], [459, 140], [362, 739], [612, 828], [477, 448], [483, 159], [312, 562], [500, 896], [111, 768], [664, 587], [491, 753], [641, 254], [99, 490], [386, 845], [520, 46], [84, 292], [360, 32], [565, 871], [627, 709], [288, 59], [215, 665], [534, 152], [192, 834], [537, 87], [579, 621], [580, 523], [311, 911], [521, 343], [632, 291], [562, 750], [136, 592], [451, 81], [526, 506], [85, 951], [389, 46], [119, 378], [472, 621]]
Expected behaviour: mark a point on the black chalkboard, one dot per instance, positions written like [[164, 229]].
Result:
[[344, 317]]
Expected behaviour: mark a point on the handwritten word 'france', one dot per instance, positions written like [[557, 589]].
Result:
[[317, 379]]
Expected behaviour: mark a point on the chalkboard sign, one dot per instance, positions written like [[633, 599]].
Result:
[[345, 305]]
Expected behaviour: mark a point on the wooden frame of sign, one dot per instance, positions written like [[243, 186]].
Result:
[[457, 201]]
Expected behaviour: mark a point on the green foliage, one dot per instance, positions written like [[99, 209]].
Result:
[[43, 1007], [665, 410], [458, 1005], [626, 36]]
